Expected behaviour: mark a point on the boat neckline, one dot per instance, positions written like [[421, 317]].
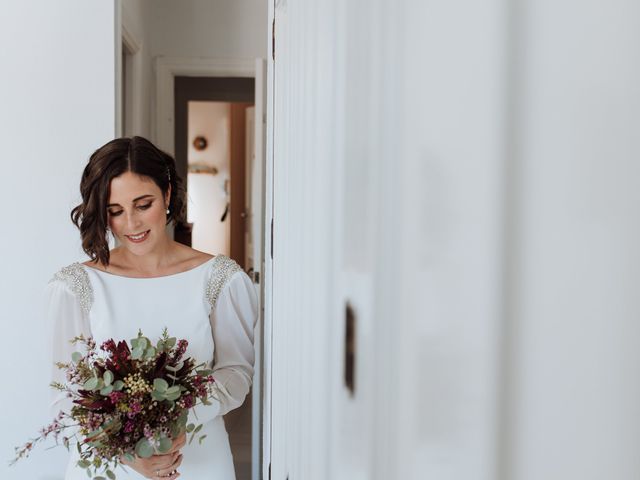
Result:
[[150, 278]]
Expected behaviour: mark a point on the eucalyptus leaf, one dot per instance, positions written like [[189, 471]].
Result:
[[171, 342], [84, 463], [118, 384], [129, 458], [134, 343], [111, 475], [198, 428], [91, 384], [106, 390], [99, 478], [150, 353], [182, 419], [172, 396], [173, 389], [76, 357], [143, 448], [157, 396], [165, 445], [160, 385], [143, 343], [107, 377], [190, 428], [201, 439], [136, 353]]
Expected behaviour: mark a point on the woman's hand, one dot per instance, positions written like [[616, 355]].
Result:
[[160, 466]]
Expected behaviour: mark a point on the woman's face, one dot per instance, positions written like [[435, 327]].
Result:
[[136, 211]]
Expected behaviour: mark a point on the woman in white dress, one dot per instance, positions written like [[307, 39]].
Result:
[[130, 189]]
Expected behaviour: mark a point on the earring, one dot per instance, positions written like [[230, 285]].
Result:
[[168, 211]]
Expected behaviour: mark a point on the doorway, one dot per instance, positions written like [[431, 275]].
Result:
[[211, 153]]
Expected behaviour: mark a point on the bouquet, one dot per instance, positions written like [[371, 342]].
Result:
[[127, 400]]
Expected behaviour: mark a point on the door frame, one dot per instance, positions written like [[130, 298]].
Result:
[[166, 69], [125, 38]]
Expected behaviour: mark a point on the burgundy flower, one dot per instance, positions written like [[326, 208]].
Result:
[[109, 346], [135, 407], [93, 401], [188, 401], [119, 361], [128, 427], [115, 397]]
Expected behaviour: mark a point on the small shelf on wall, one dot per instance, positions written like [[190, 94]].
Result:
[[202, 168]]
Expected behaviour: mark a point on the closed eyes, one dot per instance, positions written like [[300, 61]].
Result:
[[139, 207]]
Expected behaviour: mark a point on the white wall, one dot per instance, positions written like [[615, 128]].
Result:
[[193, 28], [57, 100], [575, 389], [209, 28]]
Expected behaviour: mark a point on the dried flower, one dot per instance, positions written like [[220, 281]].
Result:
[[131, 392]]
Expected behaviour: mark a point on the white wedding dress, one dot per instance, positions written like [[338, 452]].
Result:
[[214, 306]]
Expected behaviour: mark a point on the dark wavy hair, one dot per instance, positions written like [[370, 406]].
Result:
[[137, 155]]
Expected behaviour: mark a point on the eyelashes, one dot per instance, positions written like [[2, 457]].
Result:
[[139, 207]]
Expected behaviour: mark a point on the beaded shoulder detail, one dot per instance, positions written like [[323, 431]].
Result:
[[222, 269], [78, 282]]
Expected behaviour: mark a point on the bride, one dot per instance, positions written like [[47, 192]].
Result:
[[130, 190]]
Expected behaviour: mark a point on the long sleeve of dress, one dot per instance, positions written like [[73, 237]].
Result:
[[233, 319], [67, 317]]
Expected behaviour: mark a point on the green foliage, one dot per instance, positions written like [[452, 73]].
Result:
[[160, 385], [164, 445], [136, 353], [176, 368], [162, 391], [91, 384], [104, 391], [107, 377], [144, 448]]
